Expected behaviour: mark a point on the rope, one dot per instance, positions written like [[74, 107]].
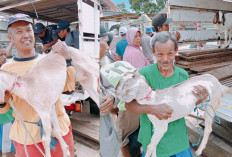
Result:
[[198, 126], [197, 109], [20, 119], [53, 141], [148, 96], [15, 83]]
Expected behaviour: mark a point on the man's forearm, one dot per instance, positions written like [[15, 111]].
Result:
[[51, 43], [135, 107], [161, 111]]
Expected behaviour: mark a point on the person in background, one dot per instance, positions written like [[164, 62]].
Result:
[[109, 145], [47, 35], [149, 31], [6, 119], [116, 38], [133, 53], [161, 23], [122, 44], [71, 38], [5, 52], [146, 45], [107, 59], [2, 55], [128, 134]]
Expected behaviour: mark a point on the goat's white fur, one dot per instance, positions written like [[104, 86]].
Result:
[[34, 89], [41, 77], [87, 72], [134, 86], [226, 28]]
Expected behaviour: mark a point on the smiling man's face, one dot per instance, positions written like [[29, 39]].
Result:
[[22, 36]]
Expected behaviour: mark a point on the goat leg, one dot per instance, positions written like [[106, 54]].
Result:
[[219, 41], [162, 125], [226, 36], [207, 130], [56, 132], [92, 90], [45, 118], [228, 44]]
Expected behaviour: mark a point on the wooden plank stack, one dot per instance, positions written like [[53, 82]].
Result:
[[199, 61], [86, 127], [217, 62]]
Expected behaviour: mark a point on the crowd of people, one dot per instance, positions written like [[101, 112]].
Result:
[[124, 126], [153, 55]]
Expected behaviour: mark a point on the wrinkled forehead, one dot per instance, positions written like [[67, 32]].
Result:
[[167, 46]]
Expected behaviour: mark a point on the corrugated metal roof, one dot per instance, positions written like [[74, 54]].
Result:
[[48, 10]]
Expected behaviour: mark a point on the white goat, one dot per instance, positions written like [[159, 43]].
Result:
[[134, 86], [32, 89], [224, 25], [42, 75], [87, 72]]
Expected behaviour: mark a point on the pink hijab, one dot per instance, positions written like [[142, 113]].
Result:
[[133, 54]]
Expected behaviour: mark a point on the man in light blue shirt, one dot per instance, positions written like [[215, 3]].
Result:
[[122, 44], [71, 38]]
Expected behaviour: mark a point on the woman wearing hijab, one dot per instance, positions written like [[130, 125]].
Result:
[[133, 53]]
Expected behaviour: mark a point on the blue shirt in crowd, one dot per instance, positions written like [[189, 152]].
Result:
[[50, 34], [120, 47]]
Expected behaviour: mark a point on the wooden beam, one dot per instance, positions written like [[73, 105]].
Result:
[[222, 73], [119, 17]]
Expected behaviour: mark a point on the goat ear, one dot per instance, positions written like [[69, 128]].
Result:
[[224, 19], [215, 19]]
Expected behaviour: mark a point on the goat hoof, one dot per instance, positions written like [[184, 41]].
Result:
[[197, 153], [154, 155], [67, 154]]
